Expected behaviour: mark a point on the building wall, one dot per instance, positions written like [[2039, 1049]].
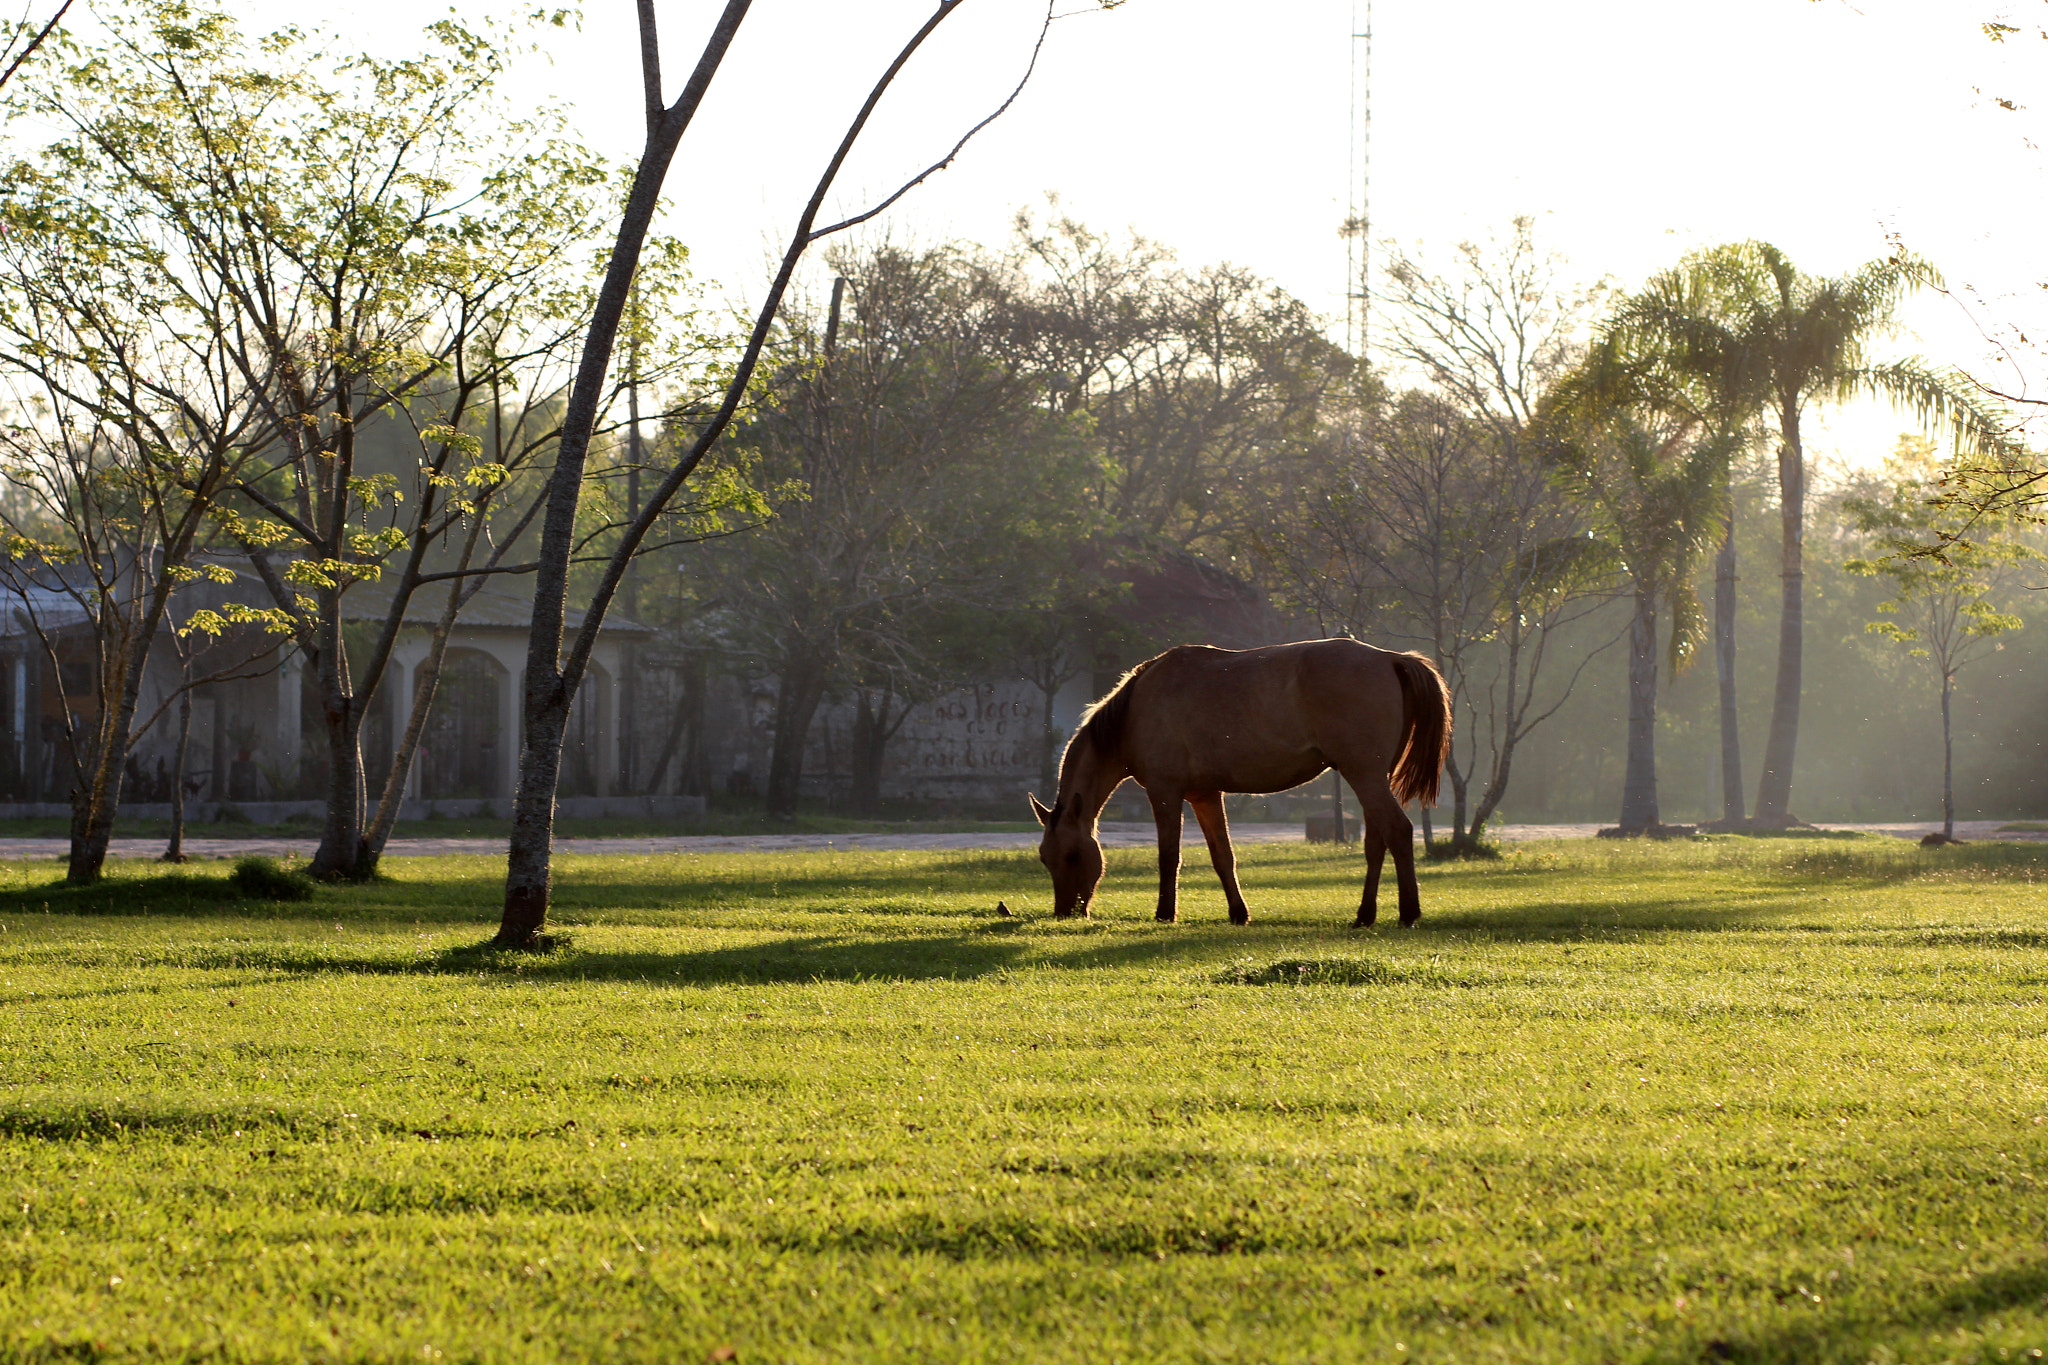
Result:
[[980, 746]]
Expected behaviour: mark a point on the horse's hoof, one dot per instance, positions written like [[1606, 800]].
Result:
[[1409, 921], [1364, 921], [1166, 916], [1241, 917]]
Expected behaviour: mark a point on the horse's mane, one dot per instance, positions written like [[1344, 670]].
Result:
[[1103, 723]]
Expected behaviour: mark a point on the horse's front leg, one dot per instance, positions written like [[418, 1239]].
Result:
[[1166, 814], [1375, 859], [1216, 830]]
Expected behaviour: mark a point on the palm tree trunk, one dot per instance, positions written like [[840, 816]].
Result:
[[1724, 668], [1639, 784], [1948, 768], [1774, 791]]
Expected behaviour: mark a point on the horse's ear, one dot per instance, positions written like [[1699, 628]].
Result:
[[1041, 810]]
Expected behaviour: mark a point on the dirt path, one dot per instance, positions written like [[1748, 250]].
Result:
[[1114, 834]]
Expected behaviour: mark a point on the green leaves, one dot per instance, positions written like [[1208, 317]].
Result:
[[1947, 574], [207, 621]]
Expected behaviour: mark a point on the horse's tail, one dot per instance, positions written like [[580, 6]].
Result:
[[1425, 727]]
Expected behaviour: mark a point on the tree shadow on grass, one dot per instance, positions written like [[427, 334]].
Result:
[[185, 894], [928, 884], [1845, 1334], [913, 882], [791, 959], [1656, 916], [971, 953]]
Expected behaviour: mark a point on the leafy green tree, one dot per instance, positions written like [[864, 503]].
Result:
[[130, 417], [122, 495], [392, 268], [1194, 380], [1763, 337], [1948, 589], [1652, 475], [923, 453]]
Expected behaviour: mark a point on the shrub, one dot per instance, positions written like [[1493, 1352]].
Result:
[[264, 879]]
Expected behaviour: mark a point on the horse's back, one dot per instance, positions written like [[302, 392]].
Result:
[[1264, 719]]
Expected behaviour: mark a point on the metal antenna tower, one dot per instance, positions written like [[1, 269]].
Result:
[[1358, 217], [1357, 277]]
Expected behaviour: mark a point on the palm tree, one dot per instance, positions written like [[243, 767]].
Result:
[[1653, 478], [1765, 340]]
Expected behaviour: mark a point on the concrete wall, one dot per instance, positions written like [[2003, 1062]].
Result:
[[277, 812]]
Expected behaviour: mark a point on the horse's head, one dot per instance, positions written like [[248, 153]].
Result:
[[1071, 853]]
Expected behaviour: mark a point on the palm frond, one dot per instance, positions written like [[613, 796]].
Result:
[[1567, 565], [1940, 398], [1689, 626]]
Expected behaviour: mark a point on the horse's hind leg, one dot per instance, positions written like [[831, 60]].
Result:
[[1167, 815], [1387, 830], [1399, 832], [1216, 830]]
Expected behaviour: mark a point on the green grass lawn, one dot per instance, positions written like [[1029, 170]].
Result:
[[716, 822], [1731, 1100]]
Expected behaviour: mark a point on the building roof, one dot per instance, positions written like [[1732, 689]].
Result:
[[23, 609], [493, 608]]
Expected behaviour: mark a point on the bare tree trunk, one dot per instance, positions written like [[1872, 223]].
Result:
[[1639, 784], [342, 852], [1724, 670], [796, 704], [529, 874], [94, 804], [1509, 734], [695, 777], [678, 722], [426, 679], [174, 851], [1050, 741], [1460, 784], [684, 743], [871, 748], [1948, 767], [870, 741], [550, 686], [1774, 791], [551, 675]]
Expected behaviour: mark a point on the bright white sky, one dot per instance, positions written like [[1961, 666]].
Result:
[[1633, 132]]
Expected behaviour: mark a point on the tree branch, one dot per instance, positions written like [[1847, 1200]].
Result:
[[965, 138]]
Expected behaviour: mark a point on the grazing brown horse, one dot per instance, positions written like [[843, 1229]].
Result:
[[1197, 722]]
